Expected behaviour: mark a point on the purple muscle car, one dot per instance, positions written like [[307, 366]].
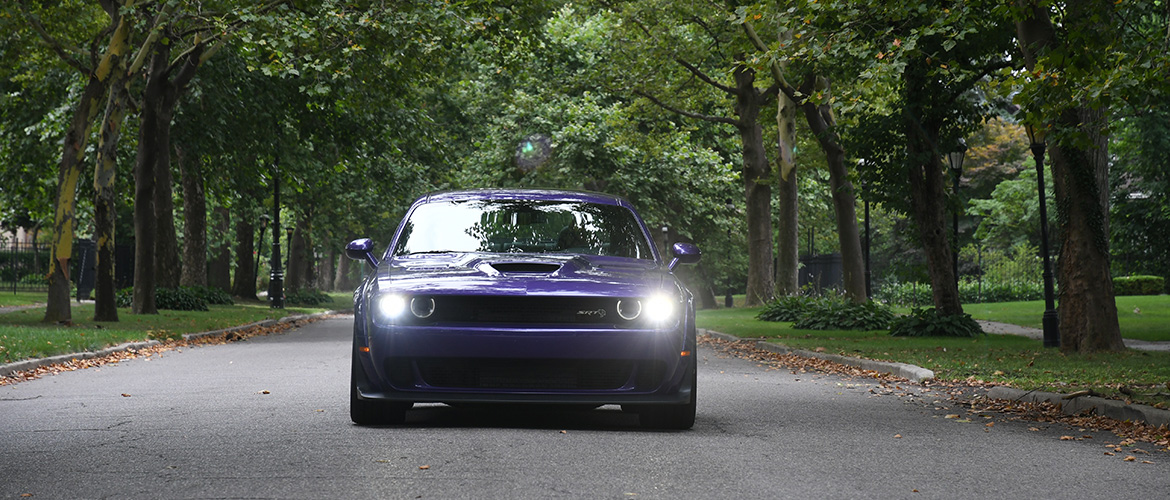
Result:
[[523, 296]]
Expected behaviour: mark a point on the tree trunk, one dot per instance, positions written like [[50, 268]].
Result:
[[927, 188], [219, 271], [822, 123], [167, 266], [788, 225], [145, 216], [343, 281], [1088, 310], [326, 279], [245, 283], [195, 214], [153, 208], [76, 138], [757, 178], [75, 141], [105, 213]]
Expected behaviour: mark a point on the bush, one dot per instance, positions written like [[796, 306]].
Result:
[[307, 297], [831, 312], [928, 323], [786, 308], [1138, 285], [172, 299], [971, 291], [843, 314], [213, 296]]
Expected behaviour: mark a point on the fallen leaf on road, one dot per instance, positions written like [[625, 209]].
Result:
[[952, 415], [1130, 458], [125, 395], [897, 436], [1110, 454], [1147, 462], [1066, 438], [424, 467], [265, 391], [989, 424]]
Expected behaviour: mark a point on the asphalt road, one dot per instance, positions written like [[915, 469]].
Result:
[[198, 424]]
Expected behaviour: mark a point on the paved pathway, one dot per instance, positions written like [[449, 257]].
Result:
[[1036, 333]]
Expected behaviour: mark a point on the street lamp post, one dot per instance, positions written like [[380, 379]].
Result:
[[1051, 321], [729, 300], [868, 270], [276, 276], [955, 158]]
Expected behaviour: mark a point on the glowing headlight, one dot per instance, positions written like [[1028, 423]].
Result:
[[658, 308], [390, 306]]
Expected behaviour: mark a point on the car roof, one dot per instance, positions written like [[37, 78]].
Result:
[[525, 194]]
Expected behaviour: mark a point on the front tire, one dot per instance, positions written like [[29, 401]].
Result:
[[672, 417], [372, 412]]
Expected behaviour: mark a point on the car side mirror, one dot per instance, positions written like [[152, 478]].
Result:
[[361, 249], [684, 253]]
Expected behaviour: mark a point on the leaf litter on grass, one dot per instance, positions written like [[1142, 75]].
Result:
[[153, 350], [969, 393]]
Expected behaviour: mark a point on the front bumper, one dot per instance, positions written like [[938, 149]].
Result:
[[531, 364]]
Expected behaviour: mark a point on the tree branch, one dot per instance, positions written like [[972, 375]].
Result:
[[688, 114], [703, 76], [73, 56]]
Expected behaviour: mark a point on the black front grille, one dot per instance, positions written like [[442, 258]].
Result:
[[536, 374], [529, 310]]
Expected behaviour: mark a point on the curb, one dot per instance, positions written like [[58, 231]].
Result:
[[1111, 408], [32, 364], [904, 370], [1117, 410]]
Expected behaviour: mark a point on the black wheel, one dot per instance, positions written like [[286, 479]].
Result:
[[672, 417], [370, 412]]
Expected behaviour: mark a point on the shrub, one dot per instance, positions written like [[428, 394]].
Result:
[[180, 299], [786, 308], [831, 312], [213, 296], [307, 297], [1138, 285], [843, 314], [928, 323]]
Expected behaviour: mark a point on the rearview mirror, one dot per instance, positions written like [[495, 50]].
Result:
[[684, 253], [361, 249]]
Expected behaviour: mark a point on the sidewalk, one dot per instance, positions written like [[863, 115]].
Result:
[[1036, 333]]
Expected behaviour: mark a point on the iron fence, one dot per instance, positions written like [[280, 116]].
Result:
[[24, 267]]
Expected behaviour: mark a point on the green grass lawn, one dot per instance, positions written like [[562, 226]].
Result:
[[1007, 359], [23, 336], [1143, 317], [21, 298]]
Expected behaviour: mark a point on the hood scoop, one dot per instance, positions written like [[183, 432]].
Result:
[[525, 267]]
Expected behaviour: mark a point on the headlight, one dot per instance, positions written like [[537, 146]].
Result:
[[629, 309], [422, 307], [658, 308], [390, 306]]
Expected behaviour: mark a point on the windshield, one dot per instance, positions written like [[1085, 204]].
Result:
[[523, 226]]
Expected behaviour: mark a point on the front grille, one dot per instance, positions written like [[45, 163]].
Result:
[[526, 310], [535, 374]]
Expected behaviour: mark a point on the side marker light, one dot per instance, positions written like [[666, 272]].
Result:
[[364, 349], [684, 353]]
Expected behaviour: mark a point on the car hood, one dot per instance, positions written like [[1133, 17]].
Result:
[[522, 274]]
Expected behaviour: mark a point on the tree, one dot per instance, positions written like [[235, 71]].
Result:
[[707, 59], [97, 70], [1074, 77]]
